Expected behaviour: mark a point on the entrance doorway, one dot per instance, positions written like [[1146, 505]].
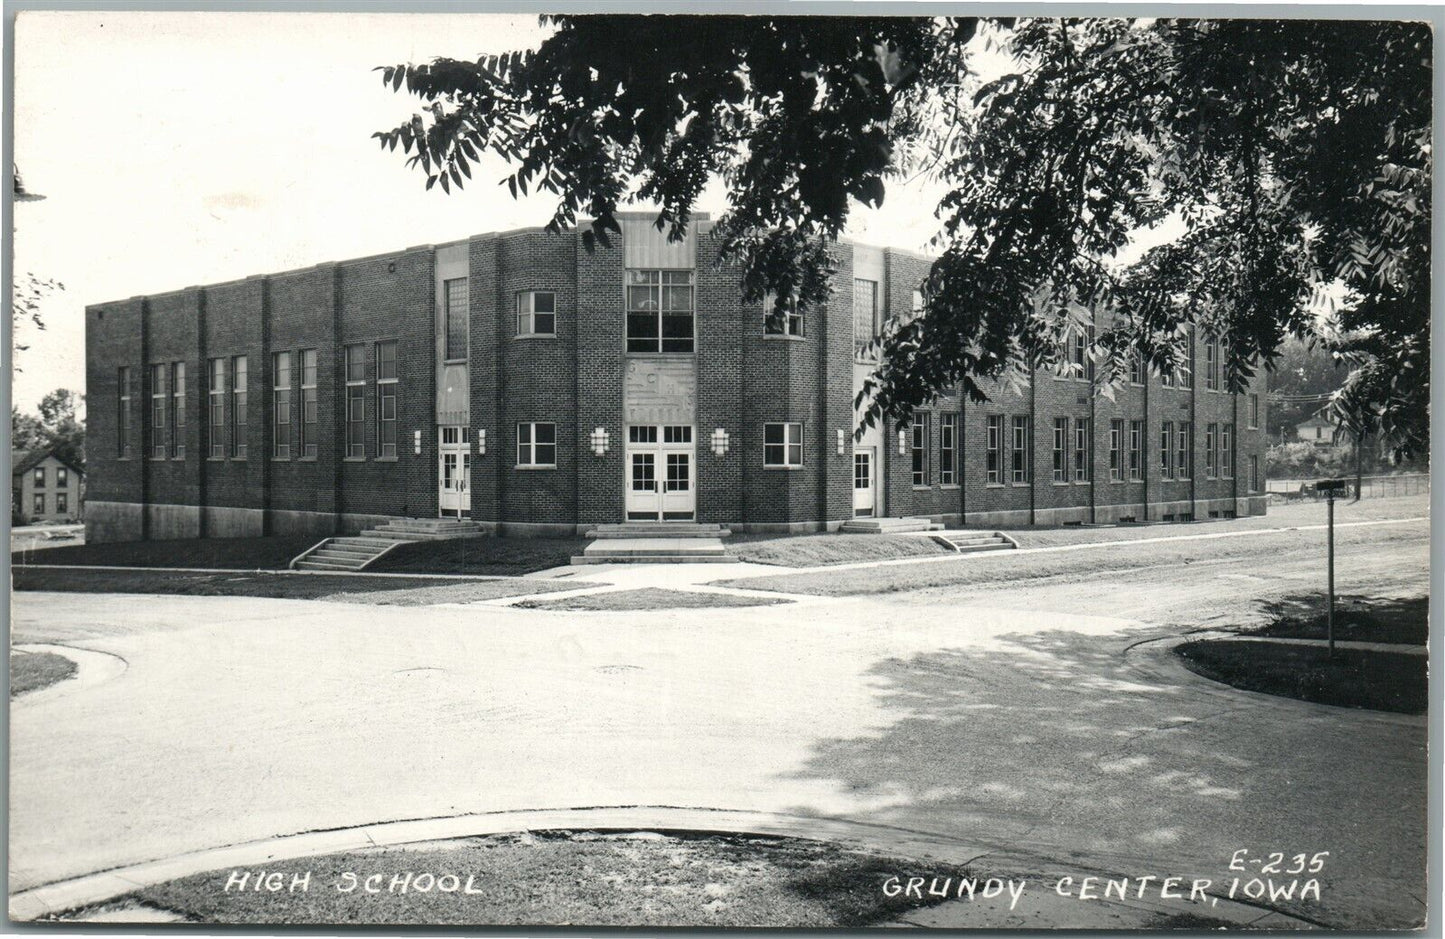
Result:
[[660, 482], [865, 482], [454, 475]]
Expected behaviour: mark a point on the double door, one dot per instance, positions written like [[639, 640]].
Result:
[[661, 482], [454, 471]]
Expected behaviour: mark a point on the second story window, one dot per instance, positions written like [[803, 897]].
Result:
[[455, 296], [386, 384], [787, 322], [309, 432], [39, 477], [356, 401], [62, 477], [281, 401], [865, 317], [537, 314], [659, 311]]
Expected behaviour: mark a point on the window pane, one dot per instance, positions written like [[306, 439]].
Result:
[[544, 301], [546, 433], [544, 324], [385, 361], [457, 309], [355, 363]]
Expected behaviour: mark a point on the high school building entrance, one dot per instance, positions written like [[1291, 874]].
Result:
[[454, 471], [660, 472]]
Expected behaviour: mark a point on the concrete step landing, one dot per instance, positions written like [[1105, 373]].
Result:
[[659, 530], [684, 550], [889, 526], [968, 542]]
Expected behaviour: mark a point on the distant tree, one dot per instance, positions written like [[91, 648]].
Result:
[[1293, 154], [57, 426], [1302, 370], [26, 432], [29, 291]]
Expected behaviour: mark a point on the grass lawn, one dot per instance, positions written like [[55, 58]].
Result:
[[1357, 619], [481, 556], [648, 598], [272, 553], [31, 671], [818, 549], [383, 591], [583, 878], [1380, 681]]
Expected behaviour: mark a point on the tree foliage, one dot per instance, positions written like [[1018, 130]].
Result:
[[1289, 159], [58, 425]]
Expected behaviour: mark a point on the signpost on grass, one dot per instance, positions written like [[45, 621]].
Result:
[[1331, 487]]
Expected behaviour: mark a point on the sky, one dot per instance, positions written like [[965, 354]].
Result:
[[178, 149]]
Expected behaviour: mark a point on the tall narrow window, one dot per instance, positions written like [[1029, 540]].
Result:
[[947, 449], [1136, 449], [355, 401], [1136, 369], [458, 307], [1186, 369], [783, 444], [310, 434], [1253, 473], [537, 313], [1253, 410], [1061, 449], [122, 424], [993, 461], [158, 412], [537, 444], [281, 405], [1226, 451], [1116, 451], [1183, 450], [865, 317], [62, 477], [386, 381], [240, 383], [1211, 364], [1083, 450], [38, 477], [1211, 458], [659, 311], [1079, 356], [216, 410], [919, 450], [178, 410], [1022, 450], [1166, 450]]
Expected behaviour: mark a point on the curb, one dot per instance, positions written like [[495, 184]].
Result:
[[91, 889], [91, 668]]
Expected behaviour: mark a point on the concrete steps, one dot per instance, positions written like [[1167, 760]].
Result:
[[968, 542], [684, 549], [889, 526], [659, 530], [357, 552]]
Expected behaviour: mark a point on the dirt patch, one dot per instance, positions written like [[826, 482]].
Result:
[[649, 598]]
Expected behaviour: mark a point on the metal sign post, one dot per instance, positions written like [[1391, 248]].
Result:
[[1331, 487]]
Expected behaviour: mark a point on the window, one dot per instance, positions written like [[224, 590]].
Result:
[[1116, 451], [1061, 444], [676, 433], [1253, 411], [537, 315], [1253, 473], [216, 409], [1136, 369], [918, 433], [310, 435], [1211, 364], [1226, 451], [787, 323], [1021, 450], [39, 477], [659, 311], [865, 317], [679, 477], [1136, 449], [458, 307], [355, 401], [916, 310], [861, 471], [40, 503], [239, 384], [62, 477], [281, 405], [1166, 450], [122, 423], [158, 412], [536, 444], [62, 502], [1079, 343], [1183, 450], [947, 449], [783, 444], [994, 450], [646, 433], [386, 382], [1083, 450], [1186, 368], [178, 410], [1211, 457]]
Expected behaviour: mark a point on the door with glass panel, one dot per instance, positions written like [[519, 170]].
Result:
[[660, 472], [865, 482], [454, 471]]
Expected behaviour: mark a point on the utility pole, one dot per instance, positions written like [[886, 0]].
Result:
[[1331, 487]]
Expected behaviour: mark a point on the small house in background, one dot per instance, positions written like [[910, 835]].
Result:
[[1318, 430], [44, 487]]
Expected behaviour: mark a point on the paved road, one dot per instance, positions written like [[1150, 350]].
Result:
[[998, 716]]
